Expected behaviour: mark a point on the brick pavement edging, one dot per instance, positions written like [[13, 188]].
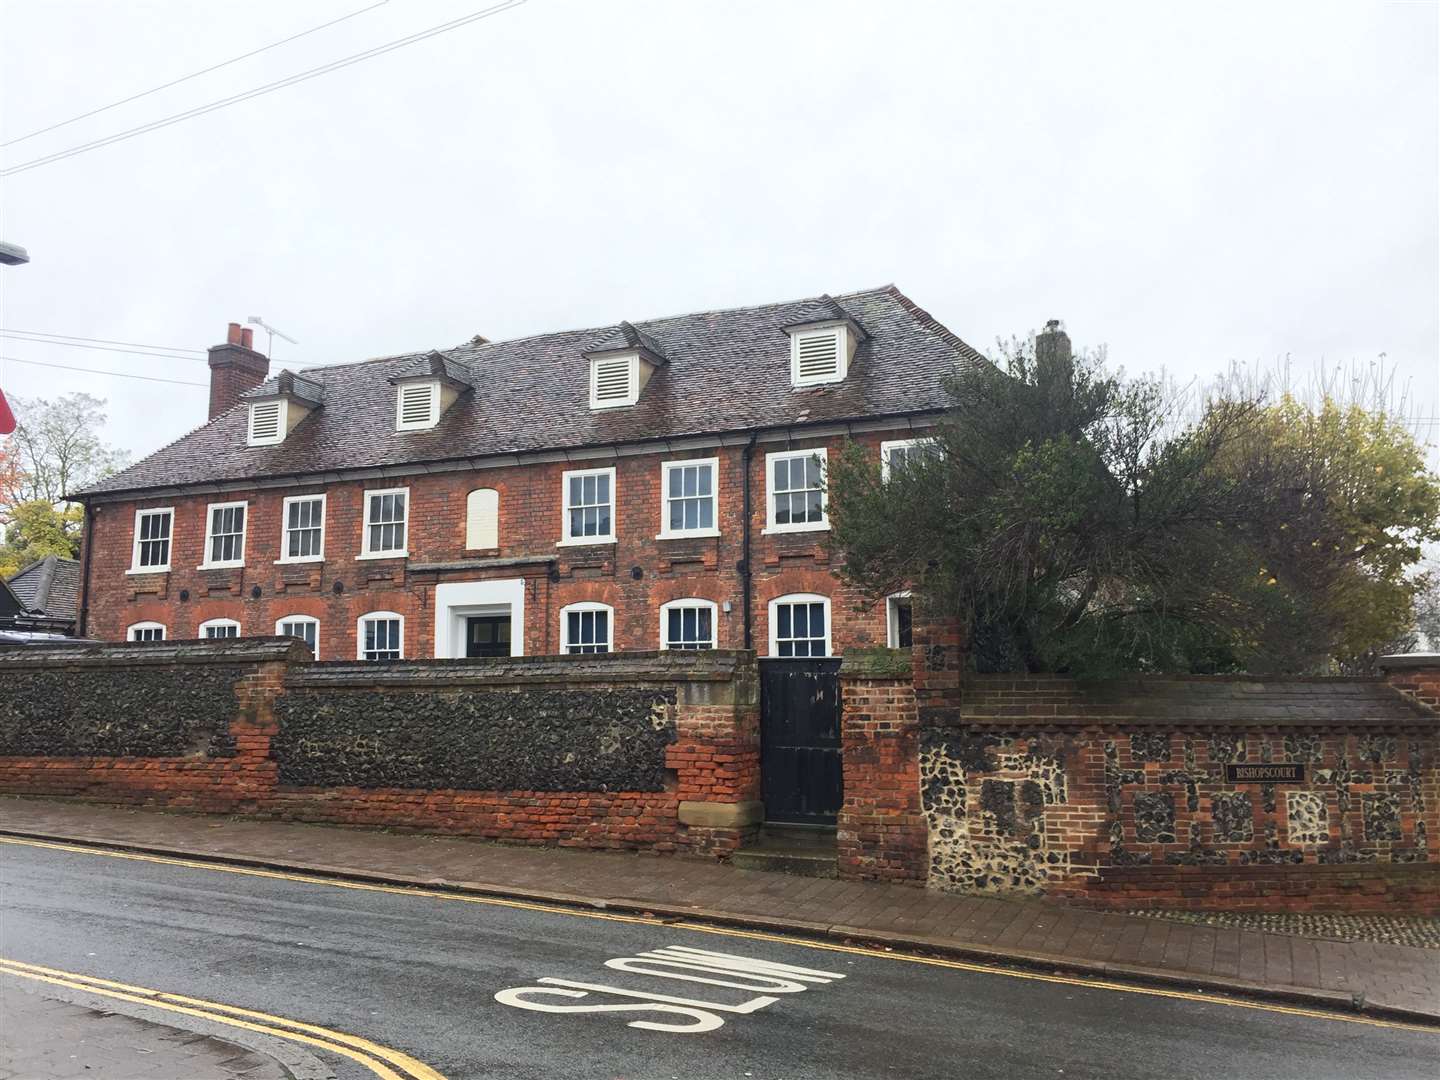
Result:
[[1008, 956]]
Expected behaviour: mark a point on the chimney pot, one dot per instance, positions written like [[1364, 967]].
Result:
[[233, 335], [247, 337]]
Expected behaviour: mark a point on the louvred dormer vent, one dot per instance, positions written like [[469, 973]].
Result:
[[267, 422], [612, 382], [277, 405], [425, 389], [417, 405], [621, 365], [821, 351], [817, 356]]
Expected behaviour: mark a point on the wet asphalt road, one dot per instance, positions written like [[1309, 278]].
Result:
[[420, 974]]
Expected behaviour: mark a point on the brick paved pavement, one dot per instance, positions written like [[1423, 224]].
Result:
[[1024, 931], [43, 1038]]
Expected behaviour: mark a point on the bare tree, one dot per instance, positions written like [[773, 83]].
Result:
[[58, 449]]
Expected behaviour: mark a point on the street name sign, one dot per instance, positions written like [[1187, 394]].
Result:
[[1265, 774]]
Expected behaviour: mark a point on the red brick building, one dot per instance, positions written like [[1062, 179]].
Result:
[[631, 487]]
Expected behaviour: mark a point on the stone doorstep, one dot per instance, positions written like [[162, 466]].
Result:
[[718, 815], [799, 863], [799, 850], [1048, 963]]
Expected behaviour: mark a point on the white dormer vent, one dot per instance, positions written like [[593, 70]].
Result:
[[417, 405], [278, 406], [819, 355], [267, 422], [614, 381]]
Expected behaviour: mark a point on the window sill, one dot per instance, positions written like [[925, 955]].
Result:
[[689, 534], [140, 570], [779, 530], [370, 555], [586, 541], [311, 559], [221, 566]]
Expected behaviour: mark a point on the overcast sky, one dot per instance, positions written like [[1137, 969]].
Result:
[[1187, 184]]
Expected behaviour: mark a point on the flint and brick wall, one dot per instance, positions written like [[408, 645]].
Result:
[[1117, 795], [642, 751], [182, 726]]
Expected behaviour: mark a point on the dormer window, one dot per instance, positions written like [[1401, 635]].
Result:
[[267, 422], [417, 405], [816, 357], [425, 388], [278, 405], [820, 354], [614, 381], [621, 365], [822, 349]]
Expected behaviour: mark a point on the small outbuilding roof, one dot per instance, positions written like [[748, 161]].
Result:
[[49, 587]]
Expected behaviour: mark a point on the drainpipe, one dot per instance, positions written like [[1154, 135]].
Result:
[[87, 542], [745, 459]]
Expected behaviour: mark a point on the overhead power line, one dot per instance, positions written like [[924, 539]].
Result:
[[104, 348], [96, 371], [41, 334], [193, 75], [323, 69], [140, 348]]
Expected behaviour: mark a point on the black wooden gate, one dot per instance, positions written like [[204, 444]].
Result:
[[800, 740]]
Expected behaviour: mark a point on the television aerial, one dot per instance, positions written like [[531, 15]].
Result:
[[270, 344]]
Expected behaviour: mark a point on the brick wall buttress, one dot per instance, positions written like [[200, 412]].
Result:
[[880, 832]]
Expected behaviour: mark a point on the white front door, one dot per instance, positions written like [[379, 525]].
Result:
[[456, 602]]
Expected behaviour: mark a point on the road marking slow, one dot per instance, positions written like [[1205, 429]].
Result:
[[763, 978], [725, 931], [373, 1056]]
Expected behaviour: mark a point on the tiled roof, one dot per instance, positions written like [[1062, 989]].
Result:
[[435, 365], [628, 336], [827, 310], [49, 586], [728, 371], [288, 384], [10, 604]]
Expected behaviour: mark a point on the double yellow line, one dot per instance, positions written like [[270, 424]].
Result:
[[384, 1062]]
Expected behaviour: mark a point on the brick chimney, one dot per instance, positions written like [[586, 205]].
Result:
[[1054, 359], [235, 367], [1055, 369]]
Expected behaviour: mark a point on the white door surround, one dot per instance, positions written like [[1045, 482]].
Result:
[[456, 601]]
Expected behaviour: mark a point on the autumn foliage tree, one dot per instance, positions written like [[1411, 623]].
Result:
[[1079, 521], [57, 449]]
